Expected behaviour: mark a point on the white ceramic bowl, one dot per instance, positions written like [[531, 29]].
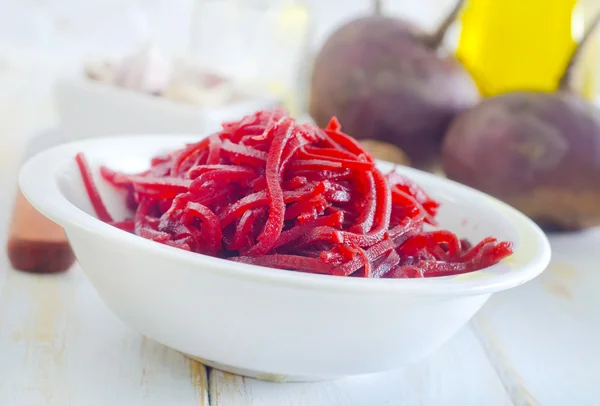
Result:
[[93, 109], [269, 323]]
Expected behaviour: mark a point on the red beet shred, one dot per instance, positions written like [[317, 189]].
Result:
[[268, 191]]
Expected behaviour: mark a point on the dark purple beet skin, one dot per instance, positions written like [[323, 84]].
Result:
[[384, 80], [538, 151]]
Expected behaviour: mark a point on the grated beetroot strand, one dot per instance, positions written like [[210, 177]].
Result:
[[268, 191]]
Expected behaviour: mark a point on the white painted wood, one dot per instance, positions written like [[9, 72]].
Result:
[[458, 374], [59, 345], [544, 337]]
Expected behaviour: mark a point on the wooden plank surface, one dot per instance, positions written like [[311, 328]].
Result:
[[542, 341], [544, 337], [535, 345], [458, 374], [60, 346]]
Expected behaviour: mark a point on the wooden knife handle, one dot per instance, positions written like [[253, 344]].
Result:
[[36, 243]]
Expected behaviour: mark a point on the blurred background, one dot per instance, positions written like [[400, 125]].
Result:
[[64, 63], [42, 40]]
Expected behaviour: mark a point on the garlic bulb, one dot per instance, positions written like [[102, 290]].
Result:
[[191, 84], [101, 71], [146, 71]]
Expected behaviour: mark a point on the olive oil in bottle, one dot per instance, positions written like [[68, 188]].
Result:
[[520, 44]]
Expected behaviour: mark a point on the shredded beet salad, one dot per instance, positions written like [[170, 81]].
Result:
[[268, 191]]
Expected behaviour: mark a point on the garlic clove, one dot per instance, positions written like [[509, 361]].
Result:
[[145, 71]]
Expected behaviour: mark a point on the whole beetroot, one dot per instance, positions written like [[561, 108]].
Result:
[[385, 80], [539, 152]]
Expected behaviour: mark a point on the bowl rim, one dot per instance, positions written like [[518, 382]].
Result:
[[38, 182]]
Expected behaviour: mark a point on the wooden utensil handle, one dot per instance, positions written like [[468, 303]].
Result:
[[35, 243]]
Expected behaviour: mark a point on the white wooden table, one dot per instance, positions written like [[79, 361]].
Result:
[[535, 345]]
